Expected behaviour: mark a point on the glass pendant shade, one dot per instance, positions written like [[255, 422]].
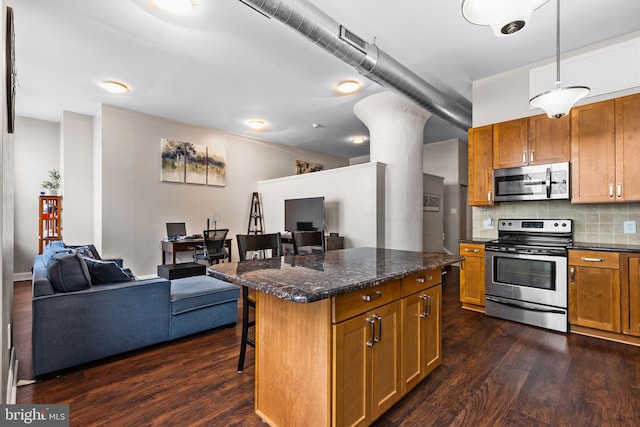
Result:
[[505, 17], [558, 102]]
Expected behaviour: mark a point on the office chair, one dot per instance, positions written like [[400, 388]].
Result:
[[311, 239], [253, 243], [213, 248]]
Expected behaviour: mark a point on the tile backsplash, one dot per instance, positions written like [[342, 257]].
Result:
[[592, 223]]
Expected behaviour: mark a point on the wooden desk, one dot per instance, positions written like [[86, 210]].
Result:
[[170, 248]]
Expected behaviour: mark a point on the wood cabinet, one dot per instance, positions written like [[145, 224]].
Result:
[[49, 220], [594, 290], [480, 166], [605, 146], [421, 327], [472, 276], [631, 294], [510, 146]]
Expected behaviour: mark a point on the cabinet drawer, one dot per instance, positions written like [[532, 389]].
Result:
[[594, 259], [472, 249], [357, 302], [418, 282]]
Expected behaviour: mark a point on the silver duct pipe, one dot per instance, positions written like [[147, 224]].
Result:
[[365, 57]]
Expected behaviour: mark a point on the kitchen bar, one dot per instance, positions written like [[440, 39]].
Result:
[[323, 356]]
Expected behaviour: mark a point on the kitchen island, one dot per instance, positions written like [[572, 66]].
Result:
[[341, 336]]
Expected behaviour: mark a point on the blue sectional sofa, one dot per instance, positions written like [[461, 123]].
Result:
[[85, 309]]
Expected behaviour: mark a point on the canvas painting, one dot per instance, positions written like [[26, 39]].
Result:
[[173, 161], [306, 167], [195, 163], [216, 166]]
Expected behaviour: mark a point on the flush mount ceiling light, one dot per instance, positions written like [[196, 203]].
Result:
[[558, 101], [348, 86], [358, 139], [505, 17], [256, 124], [176, 6], [113, 86]]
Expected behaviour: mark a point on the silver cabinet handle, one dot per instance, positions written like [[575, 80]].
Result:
[[420, 279], [424, 279], [619, 190], [372, 323], [611, 191], [379, 337], [572, 275], [531, 156], [524, 157], [488, 196], [587, 259], [428, 305], [475, 251], [369, 298], [424, 298]]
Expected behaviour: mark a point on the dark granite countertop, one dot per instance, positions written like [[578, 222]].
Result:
[[313, 277], [606, 247]]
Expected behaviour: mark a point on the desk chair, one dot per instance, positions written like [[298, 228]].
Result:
[[311, 239], [252, 243], [213, 248]]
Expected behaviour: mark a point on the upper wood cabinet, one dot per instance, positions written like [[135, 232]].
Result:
[[605, 147], [480, 166], [627, 148], [510, 148], [535, 140]]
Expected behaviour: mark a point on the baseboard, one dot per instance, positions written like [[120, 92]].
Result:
[[17, 277]]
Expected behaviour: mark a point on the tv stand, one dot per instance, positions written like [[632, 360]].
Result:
[[332, 243]]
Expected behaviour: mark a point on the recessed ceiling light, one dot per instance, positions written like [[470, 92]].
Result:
[[176, 6], [358, 139], [114, 87], [348, 86], [256, 124]]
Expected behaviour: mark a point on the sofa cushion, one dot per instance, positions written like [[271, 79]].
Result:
[[68, 272], [87, 251], [192, 293], [57, 246], [102, 272]]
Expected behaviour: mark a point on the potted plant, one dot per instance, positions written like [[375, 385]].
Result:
[[53, 184]]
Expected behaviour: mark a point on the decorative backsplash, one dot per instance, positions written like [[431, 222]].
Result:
[[592, 223]]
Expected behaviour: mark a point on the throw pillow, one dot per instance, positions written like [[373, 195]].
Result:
[[86, 251], [68, 273], [105, 272], [57, 246]]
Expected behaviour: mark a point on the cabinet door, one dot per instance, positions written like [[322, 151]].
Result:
[[631, 303], [472, 276], [593, 152], [432, 338], [627, 148], [351, 368], [413, 329], [549, 139], [386, 387], [510, 148], [594, 298], [480, 166]]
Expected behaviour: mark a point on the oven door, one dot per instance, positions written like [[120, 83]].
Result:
[[538, 279]]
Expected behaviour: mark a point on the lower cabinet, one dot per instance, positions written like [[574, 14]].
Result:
[[594, 290], [631, 294], [385, 341], [472, 276]]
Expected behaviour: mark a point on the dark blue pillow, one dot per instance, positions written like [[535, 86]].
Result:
[[105, 272], [68, 272]]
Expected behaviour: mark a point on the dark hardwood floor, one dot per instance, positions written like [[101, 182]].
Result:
[[494, 373]]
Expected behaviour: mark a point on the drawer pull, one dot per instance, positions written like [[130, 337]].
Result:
[[587, 259], [572, 275], [369, 298], [475, 251]]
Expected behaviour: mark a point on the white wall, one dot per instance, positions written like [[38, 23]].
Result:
[[37, 150], [135, 204], [353, 195]]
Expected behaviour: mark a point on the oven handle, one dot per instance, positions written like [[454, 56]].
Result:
[[523, 306]]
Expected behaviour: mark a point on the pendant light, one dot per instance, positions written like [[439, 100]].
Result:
[[505, 17], [558, 102]]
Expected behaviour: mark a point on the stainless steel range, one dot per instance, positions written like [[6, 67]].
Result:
[[526, 272]]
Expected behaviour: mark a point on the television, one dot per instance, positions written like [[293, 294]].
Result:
[[176, 229], [304, 214]]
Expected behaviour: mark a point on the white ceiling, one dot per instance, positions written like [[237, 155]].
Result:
[[224, 63]]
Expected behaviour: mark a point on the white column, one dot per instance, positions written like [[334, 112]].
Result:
[[396, 130]]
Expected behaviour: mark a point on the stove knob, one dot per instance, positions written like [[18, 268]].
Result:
[[503, 223], [556, 224], [564, 224]]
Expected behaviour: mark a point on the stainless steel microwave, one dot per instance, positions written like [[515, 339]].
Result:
[[539, 182]]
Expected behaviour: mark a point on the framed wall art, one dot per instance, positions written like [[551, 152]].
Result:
[[307, 167], [184, 162]]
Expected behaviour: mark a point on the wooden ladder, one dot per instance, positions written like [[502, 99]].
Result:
[[255, 214]]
